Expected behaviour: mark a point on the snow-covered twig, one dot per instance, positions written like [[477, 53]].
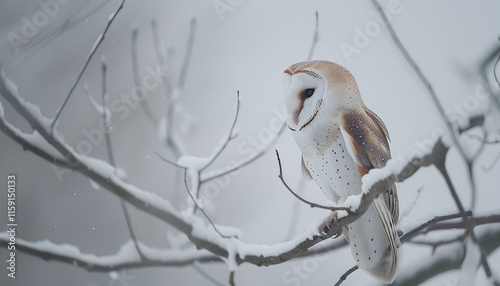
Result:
[[194, 166], [125, 257], [97, 43], [197, 206]]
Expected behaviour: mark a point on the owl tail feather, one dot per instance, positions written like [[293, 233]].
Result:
[[387, 267]]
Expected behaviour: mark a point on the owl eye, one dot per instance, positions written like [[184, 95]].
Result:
[[308, 92]]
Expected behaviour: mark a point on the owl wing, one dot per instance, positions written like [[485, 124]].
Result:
[[366, 140]]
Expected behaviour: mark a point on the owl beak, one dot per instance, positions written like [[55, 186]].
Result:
[[316, 109]]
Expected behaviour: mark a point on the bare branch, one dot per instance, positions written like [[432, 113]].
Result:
[[449, 257], [135, 71], [433, 221], [162, 59], [234, 167], [200, 208], [126, 257], [315, 38], [106, 117], [187, 56], [433, 95], [495, 70], [347, 273], [231, 279], [456, 143], [98, 42], [229, 137], [313, 205], [435, 244]]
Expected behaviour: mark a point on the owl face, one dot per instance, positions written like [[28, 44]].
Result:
[[304, 95], [316, 87]]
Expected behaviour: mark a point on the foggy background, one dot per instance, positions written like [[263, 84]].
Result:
[[246, 49]]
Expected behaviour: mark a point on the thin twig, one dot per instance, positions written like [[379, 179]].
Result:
[[135, 72], [493, 164], [98, 42], [162, 60], [495, 70], [311, 204], [347, 273], [474, 220], [106, 116], [433, 95], [221, 148], [436, 244], [420, 228], [229, 136], [165, 159], [404, 214], [231, 279], [295, 212], [315, 38], [200, 208], [442, 113], [234, 167], [187, 56]]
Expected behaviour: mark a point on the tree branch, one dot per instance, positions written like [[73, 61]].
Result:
[[447, 258], [98, 42], [135, 72], [126, 257], [311, 204]]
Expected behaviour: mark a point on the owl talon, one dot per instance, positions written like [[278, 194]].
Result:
[[325, 227]]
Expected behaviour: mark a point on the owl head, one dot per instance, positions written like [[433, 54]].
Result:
[[316, 87]]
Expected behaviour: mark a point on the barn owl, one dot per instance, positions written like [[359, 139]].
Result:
[[341, 140]]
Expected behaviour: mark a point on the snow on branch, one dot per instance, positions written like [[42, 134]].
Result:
[[126, 257]]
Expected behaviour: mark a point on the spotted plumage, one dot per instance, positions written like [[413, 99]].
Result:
[[341, 140]]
